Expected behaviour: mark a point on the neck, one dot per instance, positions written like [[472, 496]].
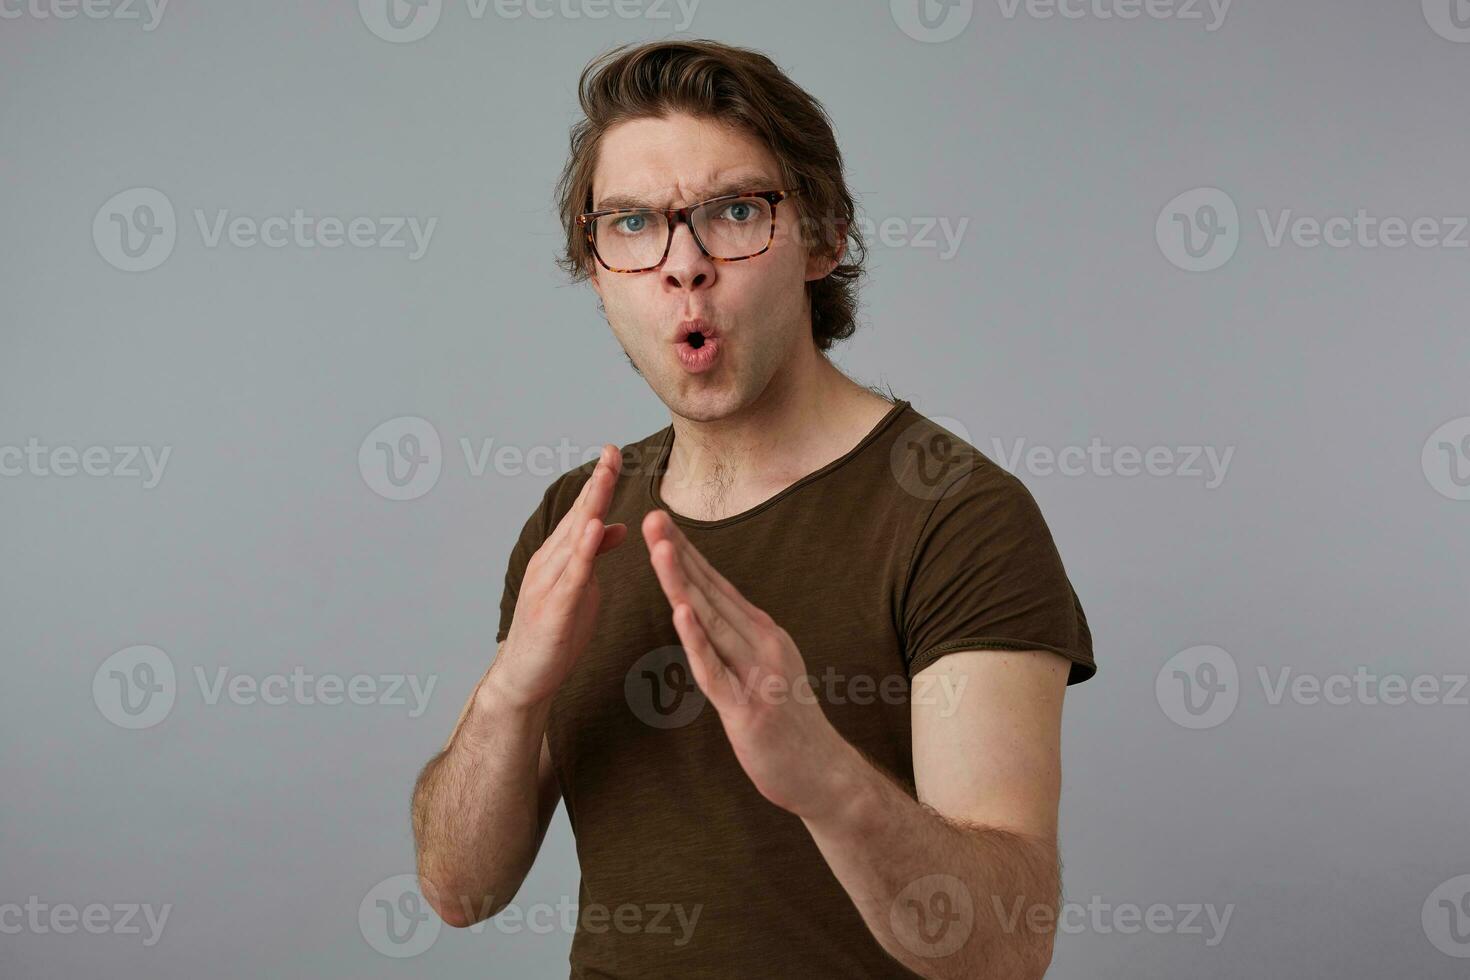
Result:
[[807, 417]]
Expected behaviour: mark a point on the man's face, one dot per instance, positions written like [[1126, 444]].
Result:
[[757, 306]]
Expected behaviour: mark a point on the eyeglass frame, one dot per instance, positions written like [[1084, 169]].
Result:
[[674, 216]]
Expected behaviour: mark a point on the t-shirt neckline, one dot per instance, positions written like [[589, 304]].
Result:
[[650, 485]]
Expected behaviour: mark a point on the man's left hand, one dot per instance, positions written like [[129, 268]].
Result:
[[751, 671]]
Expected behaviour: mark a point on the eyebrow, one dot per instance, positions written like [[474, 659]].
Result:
[[735, 185]]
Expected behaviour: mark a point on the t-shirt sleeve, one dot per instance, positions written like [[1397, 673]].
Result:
[[986, 575]]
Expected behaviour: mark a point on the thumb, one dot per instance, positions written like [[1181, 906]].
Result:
[[612, 536]]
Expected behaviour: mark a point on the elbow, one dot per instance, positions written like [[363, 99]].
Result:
[[456, 906], [1040, 960], [1028, 962]]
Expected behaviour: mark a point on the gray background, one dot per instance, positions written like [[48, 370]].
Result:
[[1326, 828]]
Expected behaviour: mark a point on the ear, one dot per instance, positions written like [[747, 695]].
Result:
[[820, 266]]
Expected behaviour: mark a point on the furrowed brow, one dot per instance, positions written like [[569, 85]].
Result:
[[737, 185]]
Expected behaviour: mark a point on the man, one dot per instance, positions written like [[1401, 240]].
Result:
[[796, 661]]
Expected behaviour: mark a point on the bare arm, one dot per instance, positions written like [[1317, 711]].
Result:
[[965, 881], [482, 805]]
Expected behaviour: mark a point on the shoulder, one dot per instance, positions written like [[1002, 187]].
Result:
[[941, 472]]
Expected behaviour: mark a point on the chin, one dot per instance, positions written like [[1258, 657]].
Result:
[[704, 406]]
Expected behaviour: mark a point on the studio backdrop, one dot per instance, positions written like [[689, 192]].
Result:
[[285, 363]]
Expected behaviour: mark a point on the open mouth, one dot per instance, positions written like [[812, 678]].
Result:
[[697, 350]]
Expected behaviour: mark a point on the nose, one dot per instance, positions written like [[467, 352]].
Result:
[[687, 267]]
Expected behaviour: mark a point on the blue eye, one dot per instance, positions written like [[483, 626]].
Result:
[[623, 223]]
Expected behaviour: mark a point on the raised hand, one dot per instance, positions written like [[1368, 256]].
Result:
[[558, 601], [750, 670]]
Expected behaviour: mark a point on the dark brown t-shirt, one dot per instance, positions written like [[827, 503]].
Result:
[[909, 546]]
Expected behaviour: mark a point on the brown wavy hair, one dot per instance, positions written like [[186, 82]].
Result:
[[739, 87]]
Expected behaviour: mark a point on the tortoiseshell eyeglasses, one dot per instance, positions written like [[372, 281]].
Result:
[[727, 229]]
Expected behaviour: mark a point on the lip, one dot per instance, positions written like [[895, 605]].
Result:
[[686, 327], [701, 359]]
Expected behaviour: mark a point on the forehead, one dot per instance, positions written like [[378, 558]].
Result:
[[677, 160]]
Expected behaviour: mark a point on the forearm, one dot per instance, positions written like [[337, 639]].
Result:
[[476, 819], [991, 915]]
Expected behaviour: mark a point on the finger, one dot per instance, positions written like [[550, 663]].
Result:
[[599, 497], [558, 547], [721, 619], [580, 560], [699, 566], [578, 510], [612, 536], [723, 597], [592, 501], [710, 673], [731, 645]]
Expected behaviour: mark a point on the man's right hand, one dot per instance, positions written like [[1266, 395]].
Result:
[[558, 600]]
